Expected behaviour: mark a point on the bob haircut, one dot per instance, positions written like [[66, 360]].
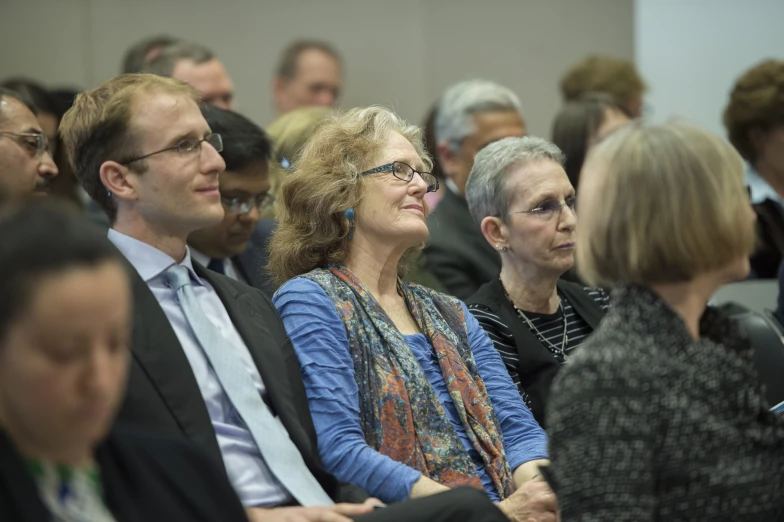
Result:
[[661, 204], [313, 230]]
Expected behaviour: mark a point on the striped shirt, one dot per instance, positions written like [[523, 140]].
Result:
[[550, 326]]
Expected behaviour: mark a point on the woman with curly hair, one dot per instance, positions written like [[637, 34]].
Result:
[[408, 395]]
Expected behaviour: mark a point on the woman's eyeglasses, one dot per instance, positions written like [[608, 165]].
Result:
[[405, 172], [549, 209]]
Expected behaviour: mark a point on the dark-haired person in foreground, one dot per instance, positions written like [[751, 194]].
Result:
[[65, 326], [26, 165], [244, 191], [212, 362]]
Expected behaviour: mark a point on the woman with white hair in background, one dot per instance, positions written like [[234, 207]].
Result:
[[519, 192], [662, 415]]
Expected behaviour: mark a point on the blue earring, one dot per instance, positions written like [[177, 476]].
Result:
[[349, 213]]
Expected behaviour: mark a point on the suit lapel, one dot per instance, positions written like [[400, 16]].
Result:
[[248, 318], [159, 354], [244, 265]]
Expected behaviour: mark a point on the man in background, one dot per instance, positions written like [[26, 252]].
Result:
[[244, 192], [141, 53], [26, 165], [196, 65], [597, 73], [470, 115], [309, 74]]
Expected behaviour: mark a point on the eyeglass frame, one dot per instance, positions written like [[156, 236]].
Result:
[[390, 167], [561, 205], [42, 144], [247, 203], [177, 147]]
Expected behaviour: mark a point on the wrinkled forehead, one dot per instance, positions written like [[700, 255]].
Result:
[[536, 180], [399, 148]]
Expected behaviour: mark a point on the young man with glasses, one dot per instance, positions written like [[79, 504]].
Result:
[[211, 359], [26, 166], [244, 188]]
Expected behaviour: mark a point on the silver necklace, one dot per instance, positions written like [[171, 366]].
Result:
[[564, 341]]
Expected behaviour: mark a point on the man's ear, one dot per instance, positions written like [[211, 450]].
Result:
[[447, 158], [279, 91], [494, 231], [115, 177], [757, 137]]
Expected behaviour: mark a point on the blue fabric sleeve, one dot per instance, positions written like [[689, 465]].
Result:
[[319, 339], [524, 439]]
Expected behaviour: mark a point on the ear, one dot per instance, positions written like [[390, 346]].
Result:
[[278, 90], [757, 138], [494, 231], [447, 159], [118, 180]]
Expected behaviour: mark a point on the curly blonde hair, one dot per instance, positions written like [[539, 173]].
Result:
[[756, 102], [313, 230], [289, 133]]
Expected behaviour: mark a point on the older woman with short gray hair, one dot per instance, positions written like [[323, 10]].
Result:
[[521, 196]]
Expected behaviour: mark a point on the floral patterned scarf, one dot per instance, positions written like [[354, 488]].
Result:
[[400, 413]]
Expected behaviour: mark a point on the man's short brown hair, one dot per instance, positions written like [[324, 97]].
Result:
[[97, 128], [289, 59], [756, 102], [598, 73]]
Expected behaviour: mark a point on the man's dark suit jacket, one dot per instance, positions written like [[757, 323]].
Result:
[[255, 258], [145, 479], [457, 253], [163, 394]]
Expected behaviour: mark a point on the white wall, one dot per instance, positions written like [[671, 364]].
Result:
[[401, 53], [692, 51]]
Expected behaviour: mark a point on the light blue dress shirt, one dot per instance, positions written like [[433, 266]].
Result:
[[319, 338], [251, 478]]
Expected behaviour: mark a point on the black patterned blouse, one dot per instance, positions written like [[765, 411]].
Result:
[[647, 423]]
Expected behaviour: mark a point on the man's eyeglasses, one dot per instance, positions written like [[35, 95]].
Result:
[[35, 142], [186, 146], [405, 172], [549, 209], [242, 206]]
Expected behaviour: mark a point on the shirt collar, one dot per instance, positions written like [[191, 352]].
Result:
[[760, 189], [452, 186], [202, 259], [148, 260]]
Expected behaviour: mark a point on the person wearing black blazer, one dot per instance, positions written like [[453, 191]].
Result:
[[470, 115], [519, 192], [195, 331], [231, 247], [531, 363], [457, 253], [64, 358]]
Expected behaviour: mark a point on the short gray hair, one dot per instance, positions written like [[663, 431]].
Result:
[[487, 190], [163, 64], [458, 104]]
